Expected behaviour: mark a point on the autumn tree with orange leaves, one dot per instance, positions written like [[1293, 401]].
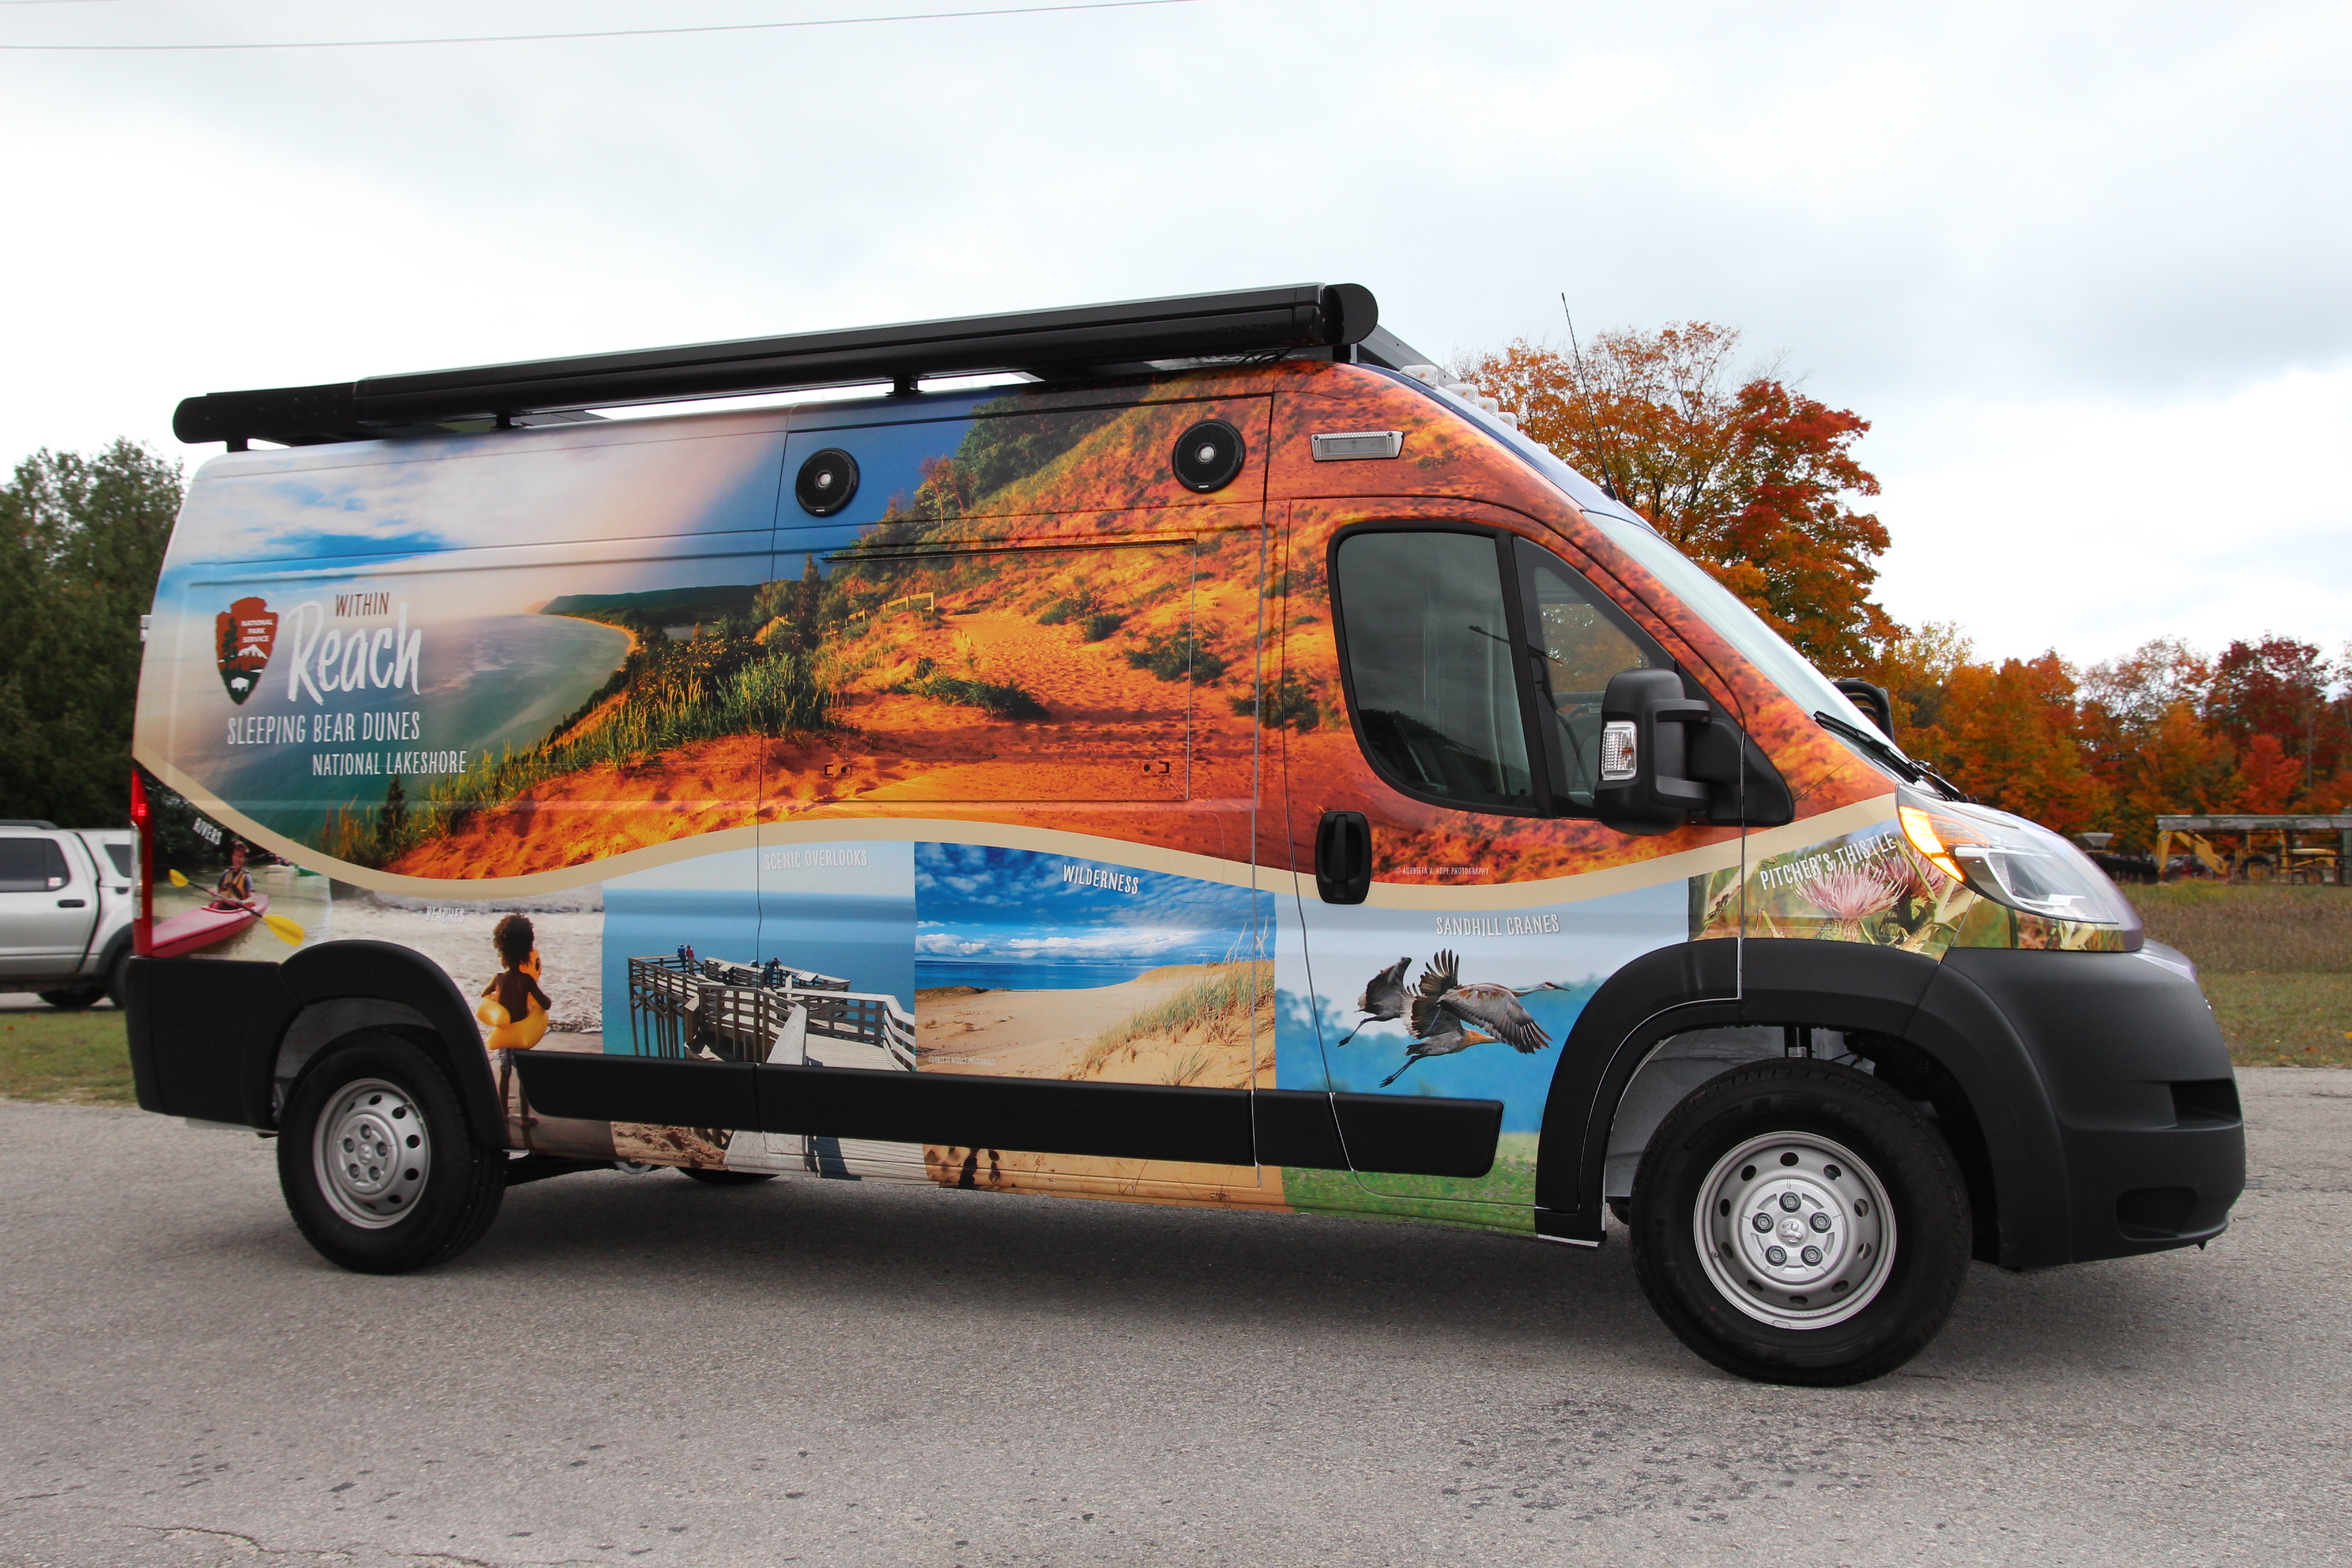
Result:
[[2161, 731], [1749, 478], [1759, 483]]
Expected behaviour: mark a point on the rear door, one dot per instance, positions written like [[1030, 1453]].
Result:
[[48, 906]]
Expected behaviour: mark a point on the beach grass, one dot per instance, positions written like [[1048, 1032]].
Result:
[[76, 1059], [675, 694], [1220, 1006], [1174, 655], [1002, 699]]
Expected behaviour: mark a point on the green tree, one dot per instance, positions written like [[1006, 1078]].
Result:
[[82, 541]]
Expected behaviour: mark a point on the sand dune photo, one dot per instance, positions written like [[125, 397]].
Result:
[[1205, 1025]]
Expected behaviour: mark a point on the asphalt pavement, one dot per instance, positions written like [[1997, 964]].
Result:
[[642, 1370]]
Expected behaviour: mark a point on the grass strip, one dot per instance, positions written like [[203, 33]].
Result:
[[76, 1059], [2283, 1020], [2240, 930]]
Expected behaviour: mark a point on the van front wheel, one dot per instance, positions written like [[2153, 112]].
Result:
[[1800, 1222], [380, 1171]]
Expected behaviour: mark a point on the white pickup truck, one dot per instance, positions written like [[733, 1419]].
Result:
[[67, 898]]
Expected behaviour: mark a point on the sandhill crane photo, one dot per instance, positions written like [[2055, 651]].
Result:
[[1385, 998], [1450, 1017]]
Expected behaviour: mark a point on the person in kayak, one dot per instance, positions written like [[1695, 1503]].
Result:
[[235, 889], [512, 1003]]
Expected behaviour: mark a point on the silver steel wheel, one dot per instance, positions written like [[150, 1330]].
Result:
[[372, 1153], [1794, 1230]]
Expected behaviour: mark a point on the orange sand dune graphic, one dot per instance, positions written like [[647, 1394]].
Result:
[[1119, 751]]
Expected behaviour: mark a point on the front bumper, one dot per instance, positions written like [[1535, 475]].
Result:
[[2136, 1074]]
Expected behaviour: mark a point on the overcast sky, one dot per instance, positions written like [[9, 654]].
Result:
[[2085, 268]]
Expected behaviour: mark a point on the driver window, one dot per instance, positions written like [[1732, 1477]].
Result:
[[1584, 639], [1425, 632], [1429, 625]]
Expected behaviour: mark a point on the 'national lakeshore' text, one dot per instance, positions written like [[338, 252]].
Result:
[[343, 765]]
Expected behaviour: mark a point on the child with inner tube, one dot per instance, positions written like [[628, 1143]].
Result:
[[513, 1005]]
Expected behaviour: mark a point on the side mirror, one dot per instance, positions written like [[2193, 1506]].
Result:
[[1872, 700], [1647, 784]]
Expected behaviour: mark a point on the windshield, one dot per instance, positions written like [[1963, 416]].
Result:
[[1738, 624], [1740, 627]]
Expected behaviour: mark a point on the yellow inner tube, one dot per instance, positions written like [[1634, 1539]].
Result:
[[506, 1034]]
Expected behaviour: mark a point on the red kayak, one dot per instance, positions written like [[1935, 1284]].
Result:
[[202, 928]]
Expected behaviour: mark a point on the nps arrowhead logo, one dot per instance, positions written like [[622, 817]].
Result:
[[243, 635]]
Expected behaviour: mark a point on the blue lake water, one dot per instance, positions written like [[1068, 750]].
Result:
[[1004, 975], [489, 683], [869, 942]]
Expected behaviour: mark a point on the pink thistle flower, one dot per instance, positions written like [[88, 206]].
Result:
[[1848, 896]]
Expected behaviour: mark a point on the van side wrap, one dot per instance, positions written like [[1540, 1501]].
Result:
[[945, 788]]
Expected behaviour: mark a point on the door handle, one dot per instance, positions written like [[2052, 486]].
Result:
[[1343, 858], [69, 903]]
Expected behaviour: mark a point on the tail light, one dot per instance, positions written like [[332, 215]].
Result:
[[142, 924]]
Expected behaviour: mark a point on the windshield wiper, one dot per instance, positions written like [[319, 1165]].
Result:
[[1909, 769]]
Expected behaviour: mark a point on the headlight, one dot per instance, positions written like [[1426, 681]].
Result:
[[2011, 861]]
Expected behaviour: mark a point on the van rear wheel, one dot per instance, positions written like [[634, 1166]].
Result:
[[1800, 1222], [379, 1170]]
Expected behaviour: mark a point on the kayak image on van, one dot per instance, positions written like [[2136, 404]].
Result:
[[1218, 761], [202, 928]]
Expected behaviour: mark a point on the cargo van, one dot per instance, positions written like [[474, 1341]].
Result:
[[1189, 751]]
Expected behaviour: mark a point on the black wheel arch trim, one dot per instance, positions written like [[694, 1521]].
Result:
[[205, 1033], [388, 972], [1850, 987]]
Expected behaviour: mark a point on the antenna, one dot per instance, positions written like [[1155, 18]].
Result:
[[1576, 357]]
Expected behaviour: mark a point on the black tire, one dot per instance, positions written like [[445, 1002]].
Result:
[[75, 999], [1850, 1136], [724, 1178], [451, 1194], [118, 976]]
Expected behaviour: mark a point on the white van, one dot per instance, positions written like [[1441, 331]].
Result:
[[1220, 763]]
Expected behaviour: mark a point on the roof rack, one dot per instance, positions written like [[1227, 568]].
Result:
[[1086, 339]]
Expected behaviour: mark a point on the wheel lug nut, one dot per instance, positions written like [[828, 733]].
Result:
[[1812, 1254], [1820, 1222], [1789, 1203], [1763, 1222], [1775, 1256]]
